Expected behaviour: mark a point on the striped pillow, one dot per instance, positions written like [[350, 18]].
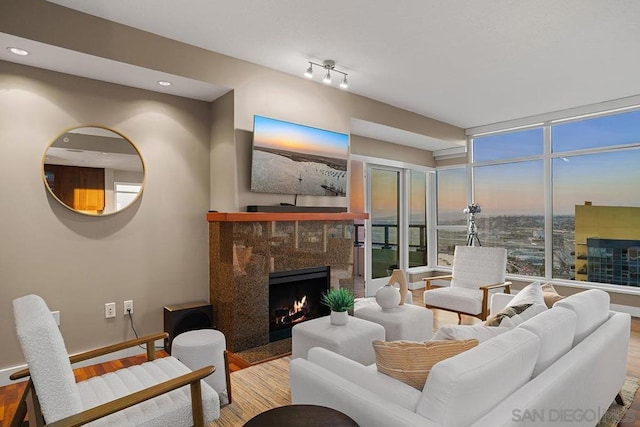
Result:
[[507, 312], [411, 362]]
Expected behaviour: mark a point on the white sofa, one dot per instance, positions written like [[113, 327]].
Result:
[[564, 366]]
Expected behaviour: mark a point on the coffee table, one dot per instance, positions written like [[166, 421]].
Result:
[[301, 416]]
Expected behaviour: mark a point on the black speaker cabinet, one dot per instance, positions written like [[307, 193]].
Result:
[[181, 318]]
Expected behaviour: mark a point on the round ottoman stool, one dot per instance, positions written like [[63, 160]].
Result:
[[205, 347]]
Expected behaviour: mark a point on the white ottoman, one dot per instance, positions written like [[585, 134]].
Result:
[[407, 322], [205, 347], [352, 340]]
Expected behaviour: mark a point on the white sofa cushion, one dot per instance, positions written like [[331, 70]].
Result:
[[555, 328], [458, 299], [591, 308], [467, 332], [366, 377], [461, 389]]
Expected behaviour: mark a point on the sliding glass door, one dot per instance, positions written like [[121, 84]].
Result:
[[384, 190]]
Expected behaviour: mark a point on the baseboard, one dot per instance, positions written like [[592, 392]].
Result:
[[5, 373]]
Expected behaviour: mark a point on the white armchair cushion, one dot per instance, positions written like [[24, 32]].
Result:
[[555, 328], [467, 332], [458, 299], [475, 266], [47, 357], [591, 308], [60, 396], [172, 408], [463, 388]]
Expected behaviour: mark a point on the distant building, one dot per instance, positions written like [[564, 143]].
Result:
[[607, 244]]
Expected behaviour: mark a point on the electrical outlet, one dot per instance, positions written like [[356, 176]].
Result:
[[128, 307], [109, 310], [56, 316]]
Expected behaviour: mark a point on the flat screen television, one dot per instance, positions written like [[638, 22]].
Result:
[[289, 158]]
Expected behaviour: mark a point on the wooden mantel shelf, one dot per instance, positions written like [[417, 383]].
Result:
[[283, 216]]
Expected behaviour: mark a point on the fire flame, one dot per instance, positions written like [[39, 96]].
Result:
[[298, 305]]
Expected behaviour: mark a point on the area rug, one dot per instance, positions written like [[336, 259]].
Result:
[[618, 413], [254, 390]]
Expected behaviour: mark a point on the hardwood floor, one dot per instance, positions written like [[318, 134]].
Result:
[[10, 394]]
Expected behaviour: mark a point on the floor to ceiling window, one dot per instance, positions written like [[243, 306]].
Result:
[[596, 198], [562, 197], [511, 197], [451, 222]]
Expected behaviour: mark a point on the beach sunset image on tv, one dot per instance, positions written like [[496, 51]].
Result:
[[294, 159]]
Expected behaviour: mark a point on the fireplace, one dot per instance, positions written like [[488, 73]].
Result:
[[294, 297], [245, 247]]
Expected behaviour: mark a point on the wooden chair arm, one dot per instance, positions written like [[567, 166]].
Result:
[[485, 296], [428, 280], [506, 285], [192, 378], [149, 340]]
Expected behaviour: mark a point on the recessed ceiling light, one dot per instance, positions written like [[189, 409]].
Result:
[[18, 51], [164, 83]]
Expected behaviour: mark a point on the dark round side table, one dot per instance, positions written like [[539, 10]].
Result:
[[301, 416]]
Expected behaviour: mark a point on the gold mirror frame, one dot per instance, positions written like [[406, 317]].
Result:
[[82, 166]]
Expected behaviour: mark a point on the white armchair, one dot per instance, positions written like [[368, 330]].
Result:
[[477, 272], [156, 393]]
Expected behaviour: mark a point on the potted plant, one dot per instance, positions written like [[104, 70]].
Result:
[[339, 301]]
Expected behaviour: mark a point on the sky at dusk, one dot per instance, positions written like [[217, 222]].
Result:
[[605, 179], [609, 178], [271, 133]]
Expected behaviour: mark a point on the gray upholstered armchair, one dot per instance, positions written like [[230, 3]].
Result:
[[477, 272], [159, 392]]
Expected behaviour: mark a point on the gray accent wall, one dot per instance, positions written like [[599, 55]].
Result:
[[154, 252]]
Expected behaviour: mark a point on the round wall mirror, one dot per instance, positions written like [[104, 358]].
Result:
[[93, 170]]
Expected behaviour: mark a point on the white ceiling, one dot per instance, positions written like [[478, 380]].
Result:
[[465, 62]]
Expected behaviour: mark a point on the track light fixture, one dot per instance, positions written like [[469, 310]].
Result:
[[328, 65]]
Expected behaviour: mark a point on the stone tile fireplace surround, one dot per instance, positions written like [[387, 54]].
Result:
[[244, 247]]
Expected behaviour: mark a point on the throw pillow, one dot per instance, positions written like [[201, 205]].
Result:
[[411, 362], [507, 312], [550, 295], [530, 294], [517, 319], [467, 332]]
